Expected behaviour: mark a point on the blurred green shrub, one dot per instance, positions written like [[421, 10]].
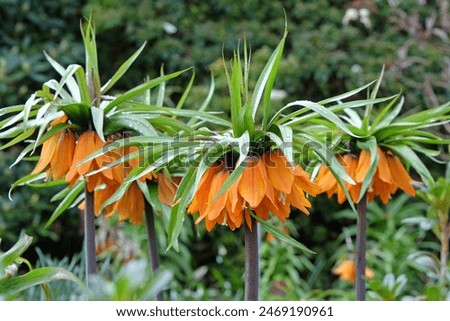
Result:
[[27, 28], [14, 282], [326, 52], [29, 209]]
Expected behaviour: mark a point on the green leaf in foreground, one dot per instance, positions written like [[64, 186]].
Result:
[[282, 236]]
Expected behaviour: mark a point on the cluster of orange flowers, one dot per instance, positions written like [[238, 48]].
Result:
[[390, 175], [61, 154], [347, 271], [267, 184]]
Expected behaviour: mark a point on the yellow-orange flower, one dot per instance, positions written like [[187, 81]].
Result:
[[347, 271], [267, 184], [390, 175]]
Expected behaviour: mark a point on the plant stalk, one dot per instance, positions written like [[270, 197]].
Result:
[[251, 263], [152, 243], [361, 249], [89, 235], [445, 237]]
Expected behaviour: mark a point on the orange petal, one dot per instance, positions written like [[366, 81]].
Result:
[[48, 150], [84, 148], [381, 189], [252, 186], [101, 195], [363, 166], [235, 210], [262, 211], [166, 189], [248, 219], [216, 204], [309, 187], [131, 205], [60, 120], [399, 175], [299, 200], [279, 171], [137, 209], [233, 195], [200, 200], [384, 173], [63, 155], [325, 179]]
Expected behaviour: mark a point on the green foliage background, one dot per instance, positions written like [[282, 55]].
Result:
[[323, 57]]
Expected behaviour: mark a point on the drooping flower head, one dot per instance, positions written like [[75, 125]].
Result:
[[74, 117], [379, 142], [268, 184], [390, 175], [60, 158]]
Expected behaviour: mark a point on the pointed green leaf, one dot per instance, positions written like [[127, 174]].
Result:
[[122, 70], [385, 117], [18, 138], [186, 92], [13, 253], [266, 79], [370, 145], [75, 190], [26, 180], [141, 89], [340, 97], [324, 112], [268, 82], [37, 277], [97, 118], [207, 100], [184, 196], [71, 83], [282, 236]]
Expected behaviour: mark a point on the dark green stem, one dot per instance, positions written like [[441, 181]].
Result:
[[361, 249], [251, 263], [89, 235], [152, 243]]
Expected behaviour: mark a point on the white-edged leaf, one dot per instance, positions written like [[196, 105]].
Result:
[[71, 83], [324, 112], [98, 118]]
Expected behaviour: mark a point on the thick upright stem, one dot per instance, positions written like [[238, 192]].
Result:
[[361, 249], [152, 243], [89, 235], [251, 263]]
